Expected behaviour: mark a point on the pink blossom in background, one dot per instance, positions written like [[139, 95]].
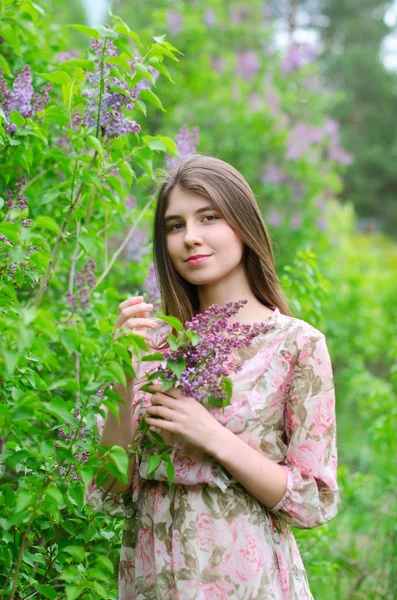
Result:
[[337, 153], [210, 18], [62, 56], [274, 217], [296, 221], [297, 56], [137, 246], [175, 22], [254, 102], [219, 64], [247, 64], [273, 174], [130, 202], [312, 83], [272, 99], [152, 288]]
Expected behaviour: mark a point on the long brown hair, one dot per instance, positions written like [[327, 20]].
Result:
[[219, 182]]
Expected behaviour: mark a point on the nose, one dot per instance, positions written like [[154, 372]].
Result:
[[192, 236]]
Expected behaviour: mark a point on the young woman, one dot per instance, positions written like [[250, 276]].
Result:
[[242, 478]]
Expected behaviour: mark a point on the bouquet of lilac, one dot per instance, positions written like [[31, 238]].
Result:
[[198, 361]]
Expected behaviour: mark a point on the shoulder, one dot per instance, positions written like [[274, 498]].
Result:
[[298, 334]]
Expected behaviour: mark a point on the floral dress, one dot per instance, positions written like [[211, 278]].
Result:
[[206, 537]]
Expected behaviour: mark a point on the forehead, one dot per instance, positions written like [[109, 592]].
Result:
[[184, 201]]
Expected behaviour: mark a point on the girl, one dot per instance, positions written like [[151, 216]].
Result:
[[245, 476]]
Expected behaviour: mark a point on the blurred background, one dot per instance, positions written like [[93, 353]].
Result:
[[300, 97]]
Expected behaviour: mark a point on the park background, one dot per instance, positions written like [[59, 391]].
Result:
[[301, 98]]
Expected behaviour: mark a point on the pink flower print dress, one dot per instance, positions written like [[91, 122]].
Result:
[[206, 537]]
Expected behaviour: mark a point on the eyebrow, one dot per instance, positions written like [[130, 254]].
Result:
[[197, 212]]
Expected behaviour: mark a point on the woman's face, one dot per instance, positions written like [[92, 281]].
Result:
[[195, 227]]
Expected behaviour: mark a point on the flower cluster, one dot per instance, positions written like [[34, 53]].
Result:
[[112, 102], [186, 141], [152, 288], [22, 97], [84, 282], [297, 56], [209, 361], [16, 199], [81, 454]]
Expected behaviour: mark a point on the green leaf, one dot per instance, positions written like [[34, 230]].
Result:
[[87, 65], [126, 172], [177, 367], [158, 439], [106, 563], [173, 321], [46, 590], [227, 386], [169, 468], [154, 61], [152, 357], [115, 370], [144, 73], [153, 463], [4, 66], [151, 97], [120, 458], [55, 494], [60, 409], [43, 222], [24, 499], [16, 118], [212, 401], [141, 106], [123, 28], [60, 77], [96, 144], [76, 551], [193, 337], [86, 31]]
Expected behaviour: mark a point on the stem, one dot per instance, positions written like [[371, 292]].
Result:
[[101, 87], [44, 281], [123, 245]]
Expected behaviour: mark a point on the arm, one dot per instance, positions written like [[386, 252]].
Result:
[[302, 491]]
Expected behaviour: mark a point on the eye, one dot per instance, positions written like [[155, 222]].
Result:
[[174, 228]]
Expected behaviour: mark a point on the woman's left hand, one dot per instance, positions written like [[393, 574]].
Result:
[[185, 417]]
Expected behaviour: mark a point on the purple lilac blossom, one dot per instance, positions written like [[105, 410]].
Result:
[[130, 202], [273, 174], [186, 141], [274, 217], [112, 119], [63, 56], [137, 246], [212, 353], [219, 64], [210, 18], [20, 98], [296, 221], [296, 56], [247, 64], [152, 288], [84, 281], [174, 19]]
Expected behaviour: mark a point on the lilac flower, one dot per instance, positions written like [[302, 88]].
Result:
[[152, 288], [175, 24], [137, 246], [208, 360], [219, 64], [274, 217], [62, 56], [113, 102], [84, 282], [130, 202], [20, 98], [301, 137], [296, 220], [210, 18], [297, 56], [186, 141], [273, 174], [247, 64]]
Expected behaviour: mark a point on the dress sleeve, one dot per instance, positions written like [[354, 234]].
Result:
[[312, 495]]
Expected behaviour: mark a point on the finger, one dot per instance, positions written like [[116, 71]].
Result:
[[172, 392], [128, 311], [136, 322], [161, 411], [130, 301], [166, 425], [163, 400]]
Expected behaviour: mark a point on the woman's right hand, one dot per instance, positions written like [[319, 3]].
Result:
[[134, 315]]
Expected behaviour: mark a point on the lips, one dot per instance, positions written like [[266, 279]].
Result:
[[197, 256]]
